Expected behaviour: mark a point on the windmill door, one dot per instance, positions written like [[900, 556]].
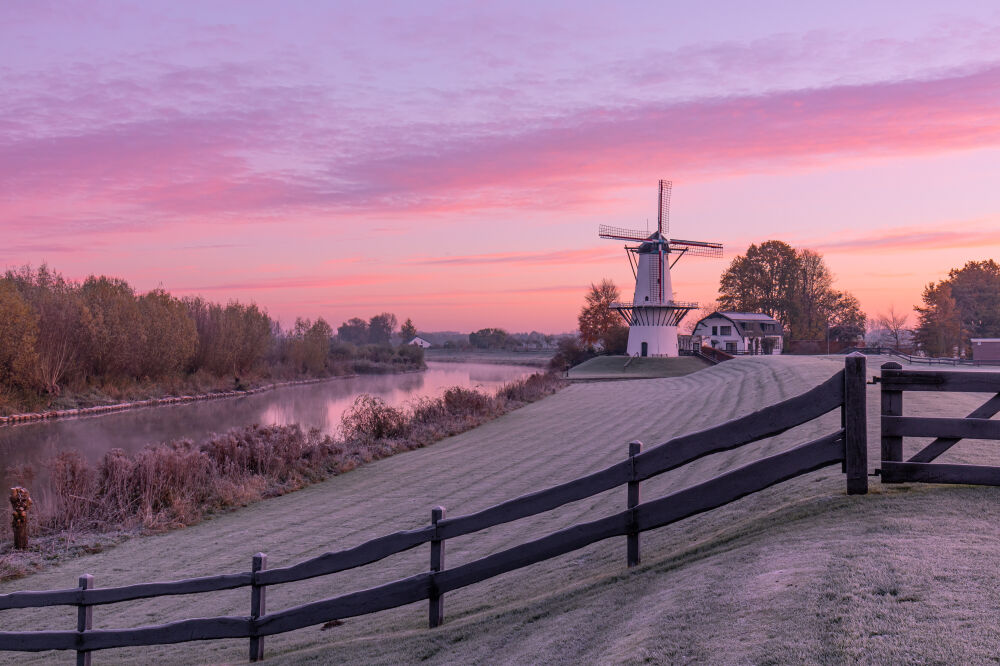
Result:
[[645, 349]]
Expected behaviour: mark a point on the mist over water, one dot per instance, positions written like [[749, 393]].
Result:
[[310, 405]]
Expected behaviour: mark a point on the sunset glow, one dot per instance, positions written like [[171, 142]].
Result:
[[452, 163]]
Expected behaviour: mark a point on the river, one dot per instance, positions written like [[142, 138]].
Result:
[[310, 405]]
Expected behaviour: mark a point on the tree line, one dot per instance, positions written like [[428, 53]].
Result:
[[56, 333], [963, 306]]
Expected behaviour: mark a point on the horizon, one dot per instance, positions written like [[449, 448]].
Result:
[[452, 164]]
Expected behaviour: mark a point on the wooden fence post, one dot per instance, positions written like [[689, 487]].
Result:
[[436, 609], [855, 424], [258, 606], [892, 405], [632, 556], [20, 502], [84, 620]]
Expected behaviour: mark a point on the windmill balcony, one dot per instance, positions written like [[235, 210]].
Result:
[[687, 305]]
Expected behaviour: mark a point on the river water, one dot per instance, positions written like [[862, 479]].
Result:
[[317, 405]]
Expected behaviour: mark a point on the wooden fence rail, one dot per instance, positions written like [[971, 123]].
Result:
[[847, 445], [946, 431]]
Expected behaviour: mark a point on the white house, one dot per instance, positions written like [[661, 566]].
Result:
[[420, 342], [740, 333]]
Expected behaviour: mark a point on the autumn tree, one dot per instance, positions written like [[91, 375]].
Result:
[[114, 337], [599, 323], [793, 286], [964, 305], [59, 310], [170, 335], [763, 280], [18, 334], [408, 331], [939, 328]]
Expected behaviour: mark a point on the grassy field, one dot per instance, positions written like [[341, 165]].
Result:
[[799, 572]]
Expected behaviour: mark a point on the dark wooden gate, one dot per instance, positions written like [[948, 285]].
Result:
[[947, 431]]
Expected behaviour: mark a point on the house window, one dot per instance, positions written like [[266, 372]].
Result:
[[715, 330], [726, 330], [730, 346]]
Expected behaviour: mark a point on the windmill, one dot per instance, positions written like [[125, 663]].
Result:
[[653, 314]]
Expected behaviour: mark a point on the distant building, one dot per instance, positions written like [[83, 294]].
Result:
[[986, 349], [740, 333], [420, 342]]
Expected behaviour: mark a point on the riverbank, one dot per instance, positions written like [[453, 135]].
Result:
[[161, 395], [88, 507], [537, 359]]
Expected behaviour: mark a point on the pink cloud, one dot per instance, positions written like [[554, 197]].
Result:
[[589, 255], [914, 239], [217, 163]]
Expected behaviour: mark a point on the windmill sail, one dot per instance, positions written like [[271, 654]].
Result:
[[696, 248], [617, 233], [663, 217]]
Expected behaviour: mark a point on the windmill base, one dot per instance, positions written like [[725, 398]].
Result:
[[652, 340]]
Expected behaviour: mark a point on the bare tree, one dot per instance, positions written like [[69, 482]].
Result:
[[894, 323]]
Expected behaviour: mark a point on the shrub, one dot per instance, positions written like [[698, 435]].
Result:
[[461, 401], [370, 418]]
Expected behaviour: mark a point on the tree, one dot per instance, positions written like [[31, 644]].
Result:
[[114, 337], [976, 290], [763, 280], [408, 331], [894, 323], [380, 328], [353, 330], [488, 338], [59, 309], [794, 287], [169, 334], [813, 297], [599, 323], [18, 333], [939, 332], [964, 305]]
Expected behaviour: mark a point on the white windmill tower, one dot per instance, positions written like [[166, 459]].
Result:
[[653, 314]]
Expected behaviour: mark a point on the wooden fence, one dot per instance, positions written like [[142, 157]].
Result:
[[917, 360], [947, 431], [846, 445]]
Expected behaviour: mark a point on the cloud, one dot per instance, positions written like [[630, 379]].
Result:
[[263, 150], [914, 239], [589, 255], [289, 283]]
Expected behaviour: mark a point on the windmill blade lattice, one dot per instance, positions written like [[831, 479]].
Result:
[[663, 217], [696, 248], [617, 233]]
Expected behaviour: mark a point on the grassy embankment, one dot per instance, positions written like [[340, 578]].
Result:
[[797, 573], [177, 484]]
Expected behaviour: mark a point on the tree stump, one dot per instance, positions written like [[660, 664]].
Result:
[[20, 502]]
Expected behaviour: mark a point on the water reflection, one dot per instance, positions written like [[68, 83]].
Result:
[[311, 405]]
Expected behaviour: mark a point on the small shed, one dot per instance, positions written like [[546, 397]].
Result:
[[419, 342], [986, 349]]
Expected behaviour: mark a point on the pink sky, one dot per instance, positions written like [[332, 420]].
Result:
[[452, 163]]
